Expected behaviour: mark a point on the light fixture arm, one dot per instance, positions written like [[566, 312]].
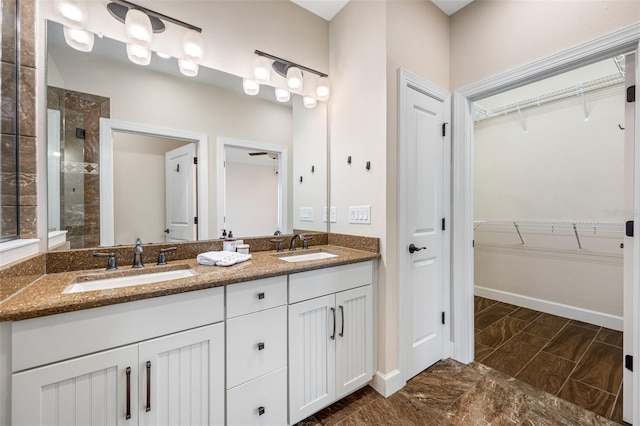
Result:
[[158, 15], [284, 61]]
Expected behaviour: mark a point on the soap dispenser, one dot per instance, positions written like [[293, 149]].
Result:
[[229, 243]]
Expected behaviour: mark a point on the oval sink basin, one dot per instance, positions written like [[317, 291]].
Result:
[[308, 256], [131, 280]]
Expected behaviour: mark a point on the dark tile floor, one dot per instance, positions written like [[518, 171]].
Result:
[[576, 361], [450, 393]]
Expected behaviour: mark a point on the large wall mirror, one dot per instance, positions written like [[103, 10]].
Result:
[[122, 139]]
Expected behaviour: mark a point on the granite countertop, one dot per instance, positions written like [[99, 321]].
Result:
[[44, 296]]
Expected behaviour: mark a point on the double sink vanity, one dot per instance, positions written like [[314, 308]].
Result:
[[268, 341]]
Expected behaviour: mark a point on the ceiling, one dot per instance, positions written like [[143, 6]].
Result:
[[327, 9]]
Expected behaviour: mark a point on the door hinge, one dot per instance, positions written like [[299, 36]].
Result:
[[444, 129], [444, 224], [195, 220], [443, 318], [628, 362], [631, 94], [195, 160], [629, 228]]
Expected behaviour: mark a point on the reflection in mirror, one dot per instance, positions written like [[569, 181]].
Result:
[[85, 89]]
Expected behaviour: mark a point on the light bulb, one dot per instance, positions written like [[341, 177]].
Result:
[[193, 45], [309, 102], [138, 54], [294, 79], [79, 39], [282, 95], [188, 68], [72, 13], [138, 26], [250, 87], [163, 55], [261, 69], [323, 89]]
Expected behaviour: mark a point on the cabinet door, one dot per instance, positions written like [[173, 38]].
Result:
[[353, 340], [312, 379], [98, 389], [182, 378]]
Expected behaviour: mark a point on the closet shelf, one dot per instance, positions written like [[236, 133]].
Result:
[[574, 227]]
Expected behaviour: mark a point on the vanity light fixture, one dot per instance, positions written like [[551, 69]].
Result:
[[309, 102], [73, 15], [250, 87], [282, 95], [140, 22], [294, 73], [163, 55], [261, 70]]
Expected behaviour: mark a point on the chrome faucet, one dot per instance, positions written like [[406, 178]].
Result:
[[137, 255], [292, 245]]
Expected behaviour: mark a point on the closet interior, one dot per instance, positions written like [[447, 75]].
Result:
[[549, 220]]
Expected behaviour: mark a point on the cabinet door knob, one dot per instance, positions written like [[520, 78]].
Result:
[[260, 346], [260, 296], [260, 411]]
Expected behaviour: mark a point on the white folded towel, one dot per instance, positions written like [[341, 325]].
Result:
[[221, 258]]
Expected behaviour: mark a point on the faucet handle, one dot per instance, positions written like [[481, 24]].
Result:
[[111, 261], [305, 242], [162, 258], [279, 242]]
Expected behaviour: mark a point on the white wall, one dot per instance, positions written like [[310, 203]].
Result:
[[139, 169], [490, 37], [186, 105], [252, 199], [563, 168]]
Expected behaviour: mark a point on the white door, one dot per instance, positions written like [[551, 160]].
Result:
[[99, 389], [312, 356], [629, 203], [181, 194], [182, 378], [353, 340], [422, 209]]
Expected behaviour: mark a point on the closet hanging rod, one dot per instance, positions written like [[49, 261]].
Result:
[[589, 86]]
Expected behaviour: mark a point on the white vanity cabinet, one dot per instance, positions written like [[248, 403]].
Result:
[[257, 352], [176, 379], [330, 336]]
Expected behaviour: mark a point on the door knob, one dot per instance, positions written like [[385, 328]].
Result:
[[166, 230], [413, 248]]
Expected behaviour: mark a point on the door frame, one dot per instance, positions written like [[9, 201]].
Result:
[[624, 40], [107, 128], [406, 81], [223, 142]]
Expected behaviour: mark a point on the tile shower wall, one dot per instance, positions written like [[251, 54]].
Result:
[[21, 137], [80, 115]]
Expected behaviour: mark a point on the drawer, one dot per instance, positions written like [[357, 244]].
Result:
[[320, 282], [268, 392], [254, 296], [246, 359]]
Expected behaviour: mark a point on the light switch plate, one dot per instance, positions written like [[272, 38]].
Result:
[[360, 214], [306, 214]]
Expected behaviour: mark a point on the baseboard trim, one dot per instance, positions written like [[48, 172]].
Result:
[[387, 384], [580, 314]]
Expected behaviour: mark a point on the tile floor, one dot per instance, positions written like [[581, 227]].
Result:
[[576, 361], [450, 393]]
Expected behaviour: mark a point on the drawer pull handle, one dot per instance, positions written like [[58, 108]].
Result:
[[260, 346], [342, 312], [333, 336], [260, 296], [128, 373], [260, 411], [148, 408]]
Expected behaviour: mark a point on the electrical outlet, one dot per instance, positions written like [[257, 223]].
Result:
[[333, 214], [359, 214]]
